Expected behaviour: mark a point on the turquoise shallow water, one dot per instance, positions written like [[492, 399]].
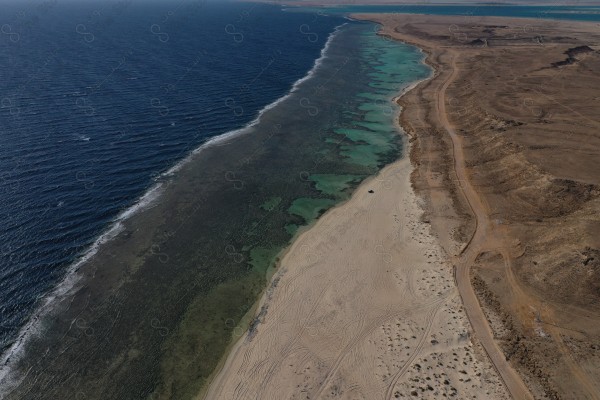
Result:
[[177, 285], [579, 13]]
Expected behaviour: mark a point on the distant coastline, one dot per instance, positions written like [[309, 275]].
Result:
[[578, 12], [334, 3]]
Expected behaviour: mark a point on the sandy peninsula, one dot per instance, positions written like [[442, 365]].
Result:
[[469, 269]]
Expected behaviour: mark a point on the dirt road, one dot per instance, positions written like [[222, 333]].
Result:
[[483, 237]]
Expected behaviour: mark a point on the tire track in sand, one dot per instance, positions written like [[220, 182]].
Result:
[[389, 394], [397, 312]]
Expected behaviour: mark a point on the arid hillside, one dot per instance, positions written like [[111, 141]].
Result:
[[523, 100]]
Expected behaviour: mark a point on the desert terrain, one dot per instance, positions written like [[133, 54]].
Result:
[[507, 133]]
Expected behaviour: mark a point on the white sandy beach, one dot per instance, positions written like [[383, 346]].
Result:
[[364, 306]]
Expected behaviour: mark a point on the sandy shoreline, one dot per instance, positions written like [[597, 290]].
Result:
[[363, 306], [263, 303], [361, 299]]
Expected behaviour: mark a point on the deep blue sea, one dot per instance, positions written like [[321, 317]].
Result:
[[99, 98]]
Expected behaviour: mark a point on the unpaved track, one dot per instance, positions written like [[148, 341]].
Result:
[[482, 238], [486, 237]]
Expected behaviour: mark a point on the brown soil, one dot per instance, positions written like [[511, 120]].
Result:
[[506, 143]]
